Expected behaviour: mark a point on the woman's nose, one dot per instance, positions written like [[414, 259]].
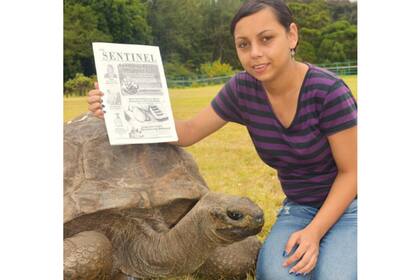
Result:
[[256, 51]]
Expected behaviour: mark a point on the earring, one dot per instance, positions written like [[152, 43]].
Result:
[[292, 53]]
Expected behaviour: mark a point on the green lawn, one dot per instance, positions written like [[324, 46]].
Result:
[[227, 159]]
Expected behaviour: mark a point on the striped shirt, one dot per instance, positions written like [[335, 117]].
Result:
[[300, 153]]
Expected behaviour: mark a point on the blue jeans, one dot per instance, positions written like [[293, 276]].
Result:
[[337, 258]]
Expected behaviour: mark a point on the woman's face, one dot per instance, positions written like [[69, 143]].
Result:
[[263, 44]]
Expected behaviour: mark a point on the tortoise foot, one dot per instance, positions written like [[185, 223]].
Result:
[[87, 255]]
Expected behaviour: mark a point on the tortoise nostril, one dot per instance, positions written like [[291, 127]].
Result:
[[234, 215]]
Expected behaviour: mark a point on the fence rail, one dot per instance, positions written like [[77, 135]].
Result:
[[339, 68], [187, 82]]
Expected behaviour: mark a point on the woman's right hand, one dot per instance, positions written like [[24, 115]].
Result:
[[95, 102]]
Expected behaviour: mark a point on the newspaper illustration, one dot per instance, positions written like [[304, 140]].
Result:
[[136, 97]]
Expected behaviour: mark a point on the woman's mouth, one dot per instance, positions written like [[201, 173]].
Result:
[[260, 68]]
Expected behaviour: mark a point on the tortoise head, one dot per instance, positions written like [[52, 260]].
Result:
[[229, 218]]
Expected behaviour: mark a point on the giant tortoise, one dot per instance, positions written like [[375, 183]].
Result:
[[144, 211]]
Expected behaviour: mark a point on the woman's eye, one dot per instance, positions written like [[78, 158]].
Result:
[[242, 45], [266, 39]]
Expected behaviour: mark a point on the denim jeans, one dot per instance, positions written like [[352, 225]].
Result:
[[337, 258]]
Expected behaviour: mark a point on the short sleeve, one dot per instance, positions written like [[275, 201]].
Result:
[[339, 110], [226, 103]]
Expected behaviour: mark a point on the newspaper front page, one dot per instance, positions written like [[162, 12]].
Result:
[[136, 97]]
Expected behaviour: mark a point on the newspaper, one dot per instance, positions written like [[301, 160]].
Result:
[[136, 97]]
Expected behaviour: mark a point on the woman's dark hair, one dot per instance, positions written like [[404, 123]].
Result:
[[280, 9]]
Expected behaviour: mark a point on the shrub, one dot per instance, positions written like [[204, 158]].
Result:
[[174, 70], [216, 69], [78, 86]]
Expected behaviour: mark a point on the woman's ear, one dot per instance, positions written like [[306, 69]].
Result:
[[293, 35]]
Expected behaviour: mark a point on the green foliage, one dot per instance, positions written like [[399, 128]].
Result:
[[331, 49], [343, 10], [176, 70], [339, 42], [307, 52], [313, 14], [78, 86], [326, 35], [80, 30], [87, 21], [124, 20], [176, 30], [216, 69], [217, 40], [190, 33]]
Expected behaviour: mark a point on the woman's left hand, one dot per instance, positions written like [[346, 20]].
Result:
[[306, 252]]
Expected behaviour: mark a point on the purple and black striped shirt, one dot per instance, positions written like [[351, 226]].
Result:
[[300, 153]]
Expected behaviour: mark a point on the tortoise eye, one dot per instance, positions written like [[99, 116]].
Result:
[[234, 215]]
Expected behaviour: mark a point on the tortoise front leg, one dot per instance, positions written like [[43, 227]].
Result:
[[233, 261], [87, 255]]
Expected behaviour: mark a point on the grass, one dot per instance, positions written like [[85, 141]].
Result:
[[227, 159], [351, 81]]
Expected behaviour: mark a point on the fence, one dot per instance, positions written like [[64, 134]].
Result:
[[339, 68], [199, 81]]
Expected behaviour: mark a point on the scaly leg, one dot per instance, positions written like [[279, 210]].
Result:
[[87, 255], [233, 261]]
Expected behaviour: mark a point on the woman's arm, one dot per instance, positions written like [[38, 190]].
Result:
[[343, 191], [189, 132], [344, 188], [193, 130]]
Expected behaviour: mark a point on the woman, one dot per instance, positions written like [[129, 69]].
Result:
[[303, 122]]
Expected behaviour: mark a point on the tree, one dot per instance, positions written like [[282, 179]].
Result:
[[176, 27], [306, 52], [309, 40], [80, 30], [217, 40], [341, 36], [124, 20], [314, 14], [87, 21], [190, 33], [324, 38], [343, 9]]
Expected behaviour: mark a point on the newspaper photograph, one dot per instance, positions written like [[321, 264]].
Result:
[[136, 96]]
